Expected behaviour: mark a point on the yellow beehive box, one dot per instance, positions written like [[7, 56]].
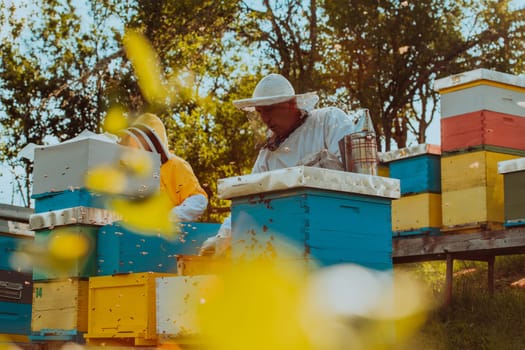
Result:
[[122, 309], [472, 169], [472, 190], [60, 305], [383, 170], [416, 214], [472, 208], [188, 265]]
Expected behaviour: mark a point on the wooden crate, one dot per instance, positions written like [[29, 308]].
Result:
[[120, 250], [480, 89], [60, 307], [513, 172], [483, 128], [350, 223], [122, 309], [416, 214]]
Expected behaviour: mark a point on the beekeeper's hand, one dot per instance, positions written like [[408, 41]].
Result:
[[322, 159], [220, 244], [190, 209]]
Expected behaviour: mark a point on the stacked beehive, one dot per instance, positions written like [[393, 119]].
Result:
[[16, 284], [141, 295], [481, 125], [328, 217], [64, 207], [513, 172], [418, 211]]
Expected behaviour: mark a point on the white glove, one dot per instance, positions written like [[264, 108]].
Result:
[[190, 209], [322, 159], [219, 244]]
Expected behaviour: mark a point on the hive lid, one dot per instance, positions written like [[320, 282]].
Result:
[[308, 177], [479, 74], [512, 165], [73, 216], [407, 152]]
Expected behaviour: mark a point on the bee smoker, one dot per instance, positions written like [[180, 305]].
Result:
[[359, 149]]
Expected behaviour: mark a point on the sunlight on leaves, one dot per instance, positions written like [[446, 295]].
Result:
[[151, 215]]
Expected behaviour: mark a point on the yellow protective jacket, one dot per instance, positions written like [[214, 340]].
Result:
[[178, 180]]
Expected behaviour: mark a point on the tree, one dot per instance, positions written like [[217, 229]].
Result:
[[392, 51], [48, 88], [384, 54]]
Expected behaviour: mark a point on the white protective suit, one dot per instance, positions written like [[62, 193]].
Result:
[[322, 129]]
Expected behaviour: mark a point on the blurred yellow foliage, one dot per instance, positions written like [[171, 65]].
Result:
[[66, 245], [147, 67], [106, 179], [272, 305], [115, 120], [151, 215], [137, 162], [254, 307]]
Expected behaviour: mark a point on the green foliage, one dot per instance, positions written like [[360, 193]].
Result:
[[62, 66], [475, 319]]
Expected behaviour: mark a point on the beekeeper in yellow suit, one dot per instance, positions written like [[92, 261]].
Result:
[[177, 178]]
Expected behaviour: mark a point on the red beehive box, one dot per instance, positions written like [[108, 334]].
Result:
[[482, 128]]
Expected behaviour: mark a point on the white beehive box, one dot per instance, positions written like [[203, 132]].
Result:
[[178, 298], [65, 166], [481, 89]]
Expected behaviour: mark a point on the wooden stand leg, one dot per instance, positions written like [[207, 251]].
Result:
[[448, 279], [490, 275]]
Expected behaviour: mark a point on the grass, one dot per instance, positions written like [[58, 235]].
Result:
[[474, 319]]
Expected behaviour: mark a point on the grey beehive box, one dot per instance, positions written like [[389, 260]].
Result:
[[64, 166]]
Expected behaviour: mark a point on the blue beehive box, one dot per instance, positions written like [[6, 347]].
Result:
[[120, 250], [83, 267], [324, 217], [81, 221], [417, 167], [16, 290], [9, 245], [50, 201], [15, 318]]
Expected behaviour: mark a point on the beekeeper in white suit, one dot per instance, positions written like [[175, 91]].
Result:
[[298, 135]]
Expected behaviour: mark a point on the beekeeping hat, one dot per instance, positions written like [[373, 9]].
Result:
[[148, 132], [273, 89]]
